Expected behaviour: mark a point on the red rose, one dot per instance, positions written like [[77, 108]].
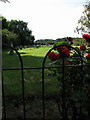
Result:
[[58, 56], [67, 63], [70, 39], [53, 56], [88, 56], [59, 49], [64, 52], [83, 47], [45, 115], [86, 37], [65, 39], [60, 117], [88, 45]]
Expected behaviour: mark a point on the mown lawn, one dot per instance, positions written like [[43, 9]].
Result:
[[33, 78], [33, 84], [32, 57]]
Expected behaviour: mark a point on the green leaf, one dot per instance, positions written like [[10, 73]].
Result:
[[78, 105], [85, 112]]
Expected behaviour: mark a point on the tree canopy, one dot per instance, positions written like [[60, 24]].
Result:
[[84, 21], [16, 32]]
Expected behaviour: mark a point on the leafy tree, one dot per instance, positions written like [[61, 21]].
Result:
[[24, 34], [84, 21], [32, 38], [16, 32], [9, 37], [4, 23], [60, 39]]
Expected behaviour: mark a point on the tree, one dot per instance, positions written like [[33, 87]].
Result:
[[9, 37], [4, 23], [24, 34], [16, 32], [84, 21]]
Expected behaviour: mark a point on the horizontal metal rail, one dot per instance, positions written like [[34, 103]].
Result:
[[47, 67]]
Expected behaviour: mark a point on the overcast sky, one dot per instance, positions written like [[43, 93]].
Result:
[[50, 19]]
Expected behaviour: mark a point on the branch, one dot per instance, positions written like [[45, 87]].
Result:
[[5, 1]]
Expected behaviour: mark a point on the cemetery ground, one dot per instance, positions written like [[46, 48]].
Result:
[[32, 57]]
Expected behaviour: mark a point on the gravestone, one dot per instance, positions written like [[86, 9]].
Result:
[[11, 52]]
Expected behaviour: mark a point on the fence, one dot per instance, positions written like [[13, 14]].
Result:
[[62, 97]]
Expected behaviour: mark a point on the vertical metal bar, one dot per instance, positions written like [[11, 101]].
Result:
[[63, 94], [43, 86], [23, 89], [81, 85], [3, 100], [43, 97]]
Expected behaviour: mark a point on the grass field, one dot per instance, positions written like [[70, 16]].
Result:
[[33, 78], [32, 57], [33, 84]]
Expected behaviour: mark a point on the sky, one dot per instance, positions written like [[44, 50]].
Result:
[[48, 19]]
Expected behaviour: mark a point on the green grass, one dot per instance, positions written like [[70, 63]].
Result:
[[33, 78], [33, 84]]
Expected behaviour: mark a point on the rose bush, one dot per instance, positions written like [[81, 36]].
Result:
[[88, 56], [64, 52], [83, 47], [74, 83], [53, 56], [86, 37]]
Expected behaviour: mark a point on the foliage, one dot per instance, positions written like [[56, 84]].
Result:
[[4, 23], [16, 33], [86, 38], [76, 41], [83, 47], [84, 21], [24, 34], [73, 81], [9, 37], [45, 42]]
